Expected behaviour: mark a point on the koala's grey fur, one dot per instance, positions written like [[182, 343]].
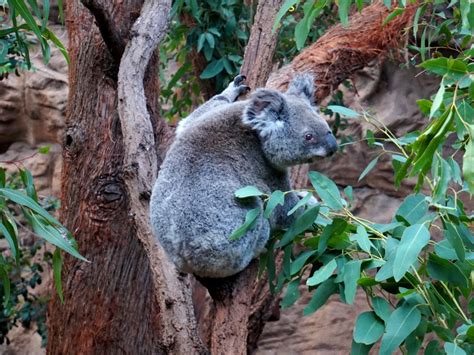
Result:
[[221, 147]]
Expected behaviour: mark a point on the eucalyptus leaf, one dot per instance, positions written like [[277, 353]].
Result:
[[401, 323], [414, 239], [368, 328]]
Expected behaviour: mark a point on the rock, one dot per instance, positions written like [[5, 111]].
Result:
[[32, 105]]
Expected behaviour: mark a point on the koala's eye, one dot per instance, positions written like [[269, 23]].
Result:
[[308, 137]]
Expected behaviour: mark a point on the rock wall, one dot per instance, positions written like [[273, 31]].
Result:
[[32, 109]]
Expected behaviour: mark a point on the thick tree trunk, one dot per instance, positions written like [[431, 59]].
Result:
[[129, 299]]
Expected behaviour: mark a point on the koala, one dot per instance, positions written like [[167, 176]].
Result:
[[225, 145]]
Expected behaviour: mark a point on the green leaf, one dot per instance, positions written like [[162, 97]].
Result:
[[368, 168], [292, 294], [362, 239], [360, 349], [250, 219], [301, 224], [453, 236], [322, 274], [343, 110], [414, 239], [412, 209], [437, 100], [57, 265], [3, 179], [468, 161], [433, 348], [28, 202], [386, 271], [210, 39], [300, 203], [320, 296], [53, 236], [200, 42], [344, 6], [283, 10], [381, 308], [392, 15], [327, 190], [5, 283], [248, 191], [368, 328], [401, 323], [444, 270], [12, 241], [438, 66], [212, 69], [300, 261], [425, 106], [348, 192], [351, 275], [453, 349], [276, 198]]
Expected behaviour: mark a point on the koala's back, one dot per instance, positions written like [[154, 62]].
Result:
[[193, 208]]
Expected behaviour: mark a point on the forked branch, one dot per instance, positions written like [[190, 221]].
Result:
[[172, 296]]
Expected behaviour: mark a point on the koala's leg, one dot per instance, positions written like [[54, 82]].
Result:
[[280, 219], [229, 95]]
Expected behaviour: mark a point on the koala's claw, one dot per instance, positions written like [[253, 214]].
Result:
[[238, 79], [243, 89]]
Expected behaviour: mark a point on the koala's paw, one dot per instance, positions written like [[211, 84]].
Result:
[[313, 201], [237, 88]]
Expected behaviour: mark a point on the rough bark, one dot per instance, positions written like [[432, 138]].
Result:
[[128, 299], [258, 57]]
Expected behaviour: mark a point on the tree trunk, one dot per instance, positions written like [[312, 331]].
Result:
[[128, 299]]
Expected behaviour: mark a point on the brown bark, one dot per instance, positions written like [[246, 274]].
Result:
[[128, 299], [258, 57]]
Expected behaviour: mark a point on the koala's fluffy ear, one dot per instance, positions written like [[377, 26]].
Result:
[[266, 111], [302, 85]]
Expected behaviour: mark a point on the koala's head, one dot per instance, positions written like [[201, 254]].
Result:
[[289, 126]]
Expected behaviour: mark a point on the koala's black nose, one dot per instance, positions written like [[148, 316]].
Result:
[[331, 144]]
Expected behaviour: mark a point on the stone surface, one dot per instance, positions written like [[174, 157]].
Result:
[[32, 105]]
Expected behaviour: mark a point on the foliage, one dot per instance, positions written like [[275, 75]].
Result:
[[16, 26], [20, 268], [416, 270], [214, 32]]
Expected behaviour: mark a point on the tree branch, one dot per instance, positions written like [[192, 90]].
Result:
[[341, 51], [262, 43], [114, 41], [172, 295]]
